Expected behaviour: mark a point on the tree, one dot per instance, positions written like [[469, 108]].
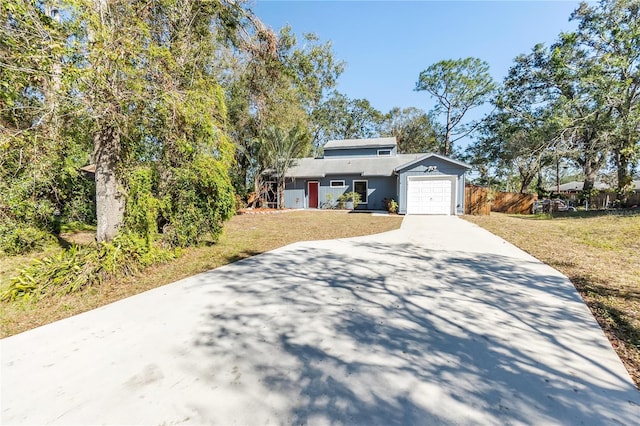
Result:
[[152, 92], [609, 33], [522, 135], [42, 140], [342, 118], [134, 85], [315, 71], [414, 130], [278, 84], [585, 116], [280, 148], [510, 146], [458, 86]]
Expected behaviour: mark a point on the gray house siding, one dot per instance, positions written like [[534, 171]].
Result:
[[379, 188], [388, 176], [437, 168], [295, 194], [358, 152]]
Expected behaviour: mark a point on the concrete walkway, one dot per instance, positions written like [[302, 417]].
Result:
[[437, 323]]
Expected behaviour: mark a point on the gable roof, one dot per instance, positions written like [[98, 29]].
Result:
[[363, 166], [441, 157], [578, 185], [361, 143]]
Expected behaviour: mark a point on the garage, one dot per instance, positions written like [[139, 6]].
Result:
[[429, 196]]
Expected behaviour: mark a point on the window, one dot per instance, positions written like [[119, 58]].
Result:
[[360, 186], [384, 153], [337, 184]]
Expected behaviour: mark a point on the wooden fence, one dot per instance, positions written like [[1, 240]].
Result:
[[513, 202], [476, 200]]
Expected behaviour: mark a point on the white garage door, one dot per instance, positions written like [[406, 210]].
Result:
[[429, 196]]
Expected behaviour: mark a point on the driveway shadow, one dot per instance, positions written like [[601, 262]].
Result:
[[356, 332]]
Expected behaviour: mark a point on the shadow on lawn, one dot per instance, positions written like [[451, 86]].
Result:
[[416, 337]]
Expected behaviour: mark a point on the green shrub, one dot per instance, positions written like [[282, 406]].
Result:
[[197, 203], [392, 206], [142, 208], [240, 202], [79, 267], [21, 239], [353, 197]]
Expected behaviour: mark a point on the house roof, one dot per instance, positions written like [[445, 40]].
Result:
[[363, 166], [441, 157], [361, 143], [90, 168], [578, 185]]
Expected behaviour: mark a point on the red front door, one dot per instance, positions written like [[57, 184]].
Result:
[[312, 190]]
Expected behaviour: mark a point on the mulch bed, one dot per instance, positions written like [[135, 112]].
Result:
[[264, 211]]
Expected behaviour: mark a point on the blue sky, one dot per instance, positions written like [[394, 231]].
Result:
[[386, 44]]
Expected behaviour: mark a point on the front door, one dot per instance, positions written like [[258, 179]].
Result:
[[312, 190]]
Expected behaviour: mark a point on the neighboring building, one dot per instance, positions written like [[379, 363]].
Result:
[[576, 187], [606, 194], [419, 183]]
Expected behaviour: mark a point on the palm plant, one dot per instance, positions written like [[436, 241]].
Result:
[[279, 149]]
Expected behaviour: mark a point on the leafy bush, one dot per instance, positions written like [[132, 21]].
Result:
[[21, 239], [142, 208], [197, 203], [240, 202], [79, 267], [392, 206], [353, 197]]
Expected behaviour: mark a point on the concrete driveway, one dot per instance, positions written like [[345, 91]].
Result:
[[437, 323]]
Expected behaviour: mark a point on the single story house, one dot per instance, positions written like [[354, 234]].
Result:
[[576, 187], [606, 193], [420, 183]]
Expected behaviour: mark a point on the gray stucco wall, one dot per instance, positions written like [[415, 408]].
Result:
[[432, 166], [379, 188]]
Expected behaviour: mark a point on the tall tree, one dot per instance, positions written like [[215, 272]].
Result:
[[458, 86], [585, 115], [152, 92], [340, 117], [41, 138], [414, 130], [512, 148], [523, 134], [609, 33], [279, 149], [133, 84], [278, 84]]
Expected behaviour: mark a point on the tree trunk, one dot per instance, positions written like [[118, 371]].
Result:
[[281, 192], [590, 172], [109, 196], [447, 136], [623, 161]]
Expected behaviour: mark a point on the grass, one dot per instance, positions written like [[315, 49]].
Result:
[[600, 255], [244, 236]]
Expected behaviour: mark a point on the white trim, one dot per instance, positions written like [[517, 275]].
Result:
[[424, 157], [384, 150], [331, 183], [366, 182]]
